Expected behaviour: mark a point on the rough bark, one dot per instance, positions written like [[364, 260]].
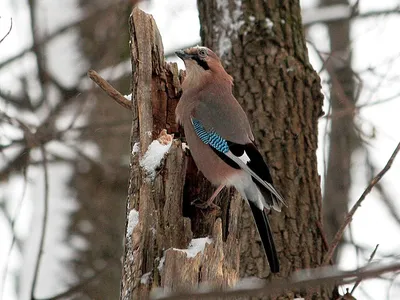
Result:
[[151, 257], [343, 140], [262, 46]]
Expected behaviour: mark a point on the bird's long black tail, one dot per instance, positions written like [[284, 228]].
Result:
[[264, 230]]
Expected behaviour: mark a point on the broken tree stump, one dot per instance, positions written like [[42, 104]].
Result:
[[159, 217]]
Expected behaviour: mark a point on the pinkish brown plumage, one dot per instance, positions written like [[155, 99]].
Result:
[[221, 141]]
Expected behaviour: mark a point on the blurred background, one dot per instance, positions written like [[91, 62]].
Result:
[[64, 146]]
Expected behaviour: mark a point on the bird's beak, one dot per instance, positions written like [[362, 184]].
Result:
[[182, 54]]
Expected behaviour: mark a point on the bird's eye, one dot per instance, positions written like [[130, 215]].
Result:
[[203, 53]]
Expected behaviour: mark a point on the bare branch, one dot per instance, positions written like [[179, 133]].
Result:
[[9, 30], [19, 162], [37, 49], [316, 277], [44, 221], [349, 216], [15, 100], [369, 260], [58, 32], [341, 12], [110, 90], [393, 210], [369, 104], [323, 235], [15, 240], [390, 203], [365, 249]]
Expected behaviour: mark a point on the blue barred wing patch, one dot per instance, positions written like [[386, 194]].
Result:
[[210, 137]]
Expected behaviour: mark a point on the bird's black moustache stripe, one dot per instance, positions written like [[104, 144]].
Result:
[[201, 62]]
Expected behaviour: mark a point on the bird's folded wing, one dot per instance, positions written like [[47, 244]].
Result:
[[232, 153], [225, 117]]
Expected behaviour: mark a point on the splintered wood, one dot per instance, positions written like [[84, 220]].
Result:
[[153, 256]]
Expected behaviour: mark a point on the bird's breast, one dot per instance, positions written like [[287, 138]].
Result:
[[213, 168]]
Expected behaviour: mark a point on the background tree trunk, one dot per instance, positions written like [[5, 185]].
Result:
[[343, 139], [101, 184]]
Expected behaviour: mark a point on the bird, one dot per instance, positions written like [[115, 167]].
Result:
[[221, 141]]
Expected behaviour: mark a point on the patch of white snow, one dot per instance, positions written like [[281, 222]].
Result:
[[230, 25], [135, 148], [185, 147], [145, 278], [133, 220], [153, 156], [161, 263], [196, 246], [270, 24]]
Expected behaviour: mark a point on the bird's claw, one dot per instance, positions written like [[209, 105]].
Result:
[[204, 205]]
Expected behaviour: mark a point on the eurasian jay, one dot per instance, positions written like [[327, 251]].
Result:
[[221, 141]]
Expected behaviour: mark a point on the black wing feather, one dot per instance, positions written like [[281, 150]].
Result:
[[257, 165], [236, 149], [264, 230]]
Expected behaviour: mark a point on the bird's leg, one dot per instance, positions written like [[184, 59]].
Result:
[[209, 202]]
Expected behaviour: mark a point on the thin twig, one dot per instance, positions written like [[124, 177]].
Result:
[[349, 216], [369, 260], [14, 240], [44, 221], [317, 277], [51, 36], [9, 30], [351, 16], [37, 49], [365, 249], [390, 203], [378, 102], [109, 89], [323, 235]]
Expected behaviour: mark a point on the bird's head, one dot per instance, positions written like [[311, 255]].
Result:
[[202, 63]]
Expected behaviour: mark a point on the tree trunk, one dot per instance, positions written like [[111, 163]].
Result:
[[343, 139], [262, 46], [166, 221]]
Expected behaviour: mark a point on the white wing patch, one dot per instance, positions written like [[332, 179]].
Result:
[[244, 158], [251, 172]]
